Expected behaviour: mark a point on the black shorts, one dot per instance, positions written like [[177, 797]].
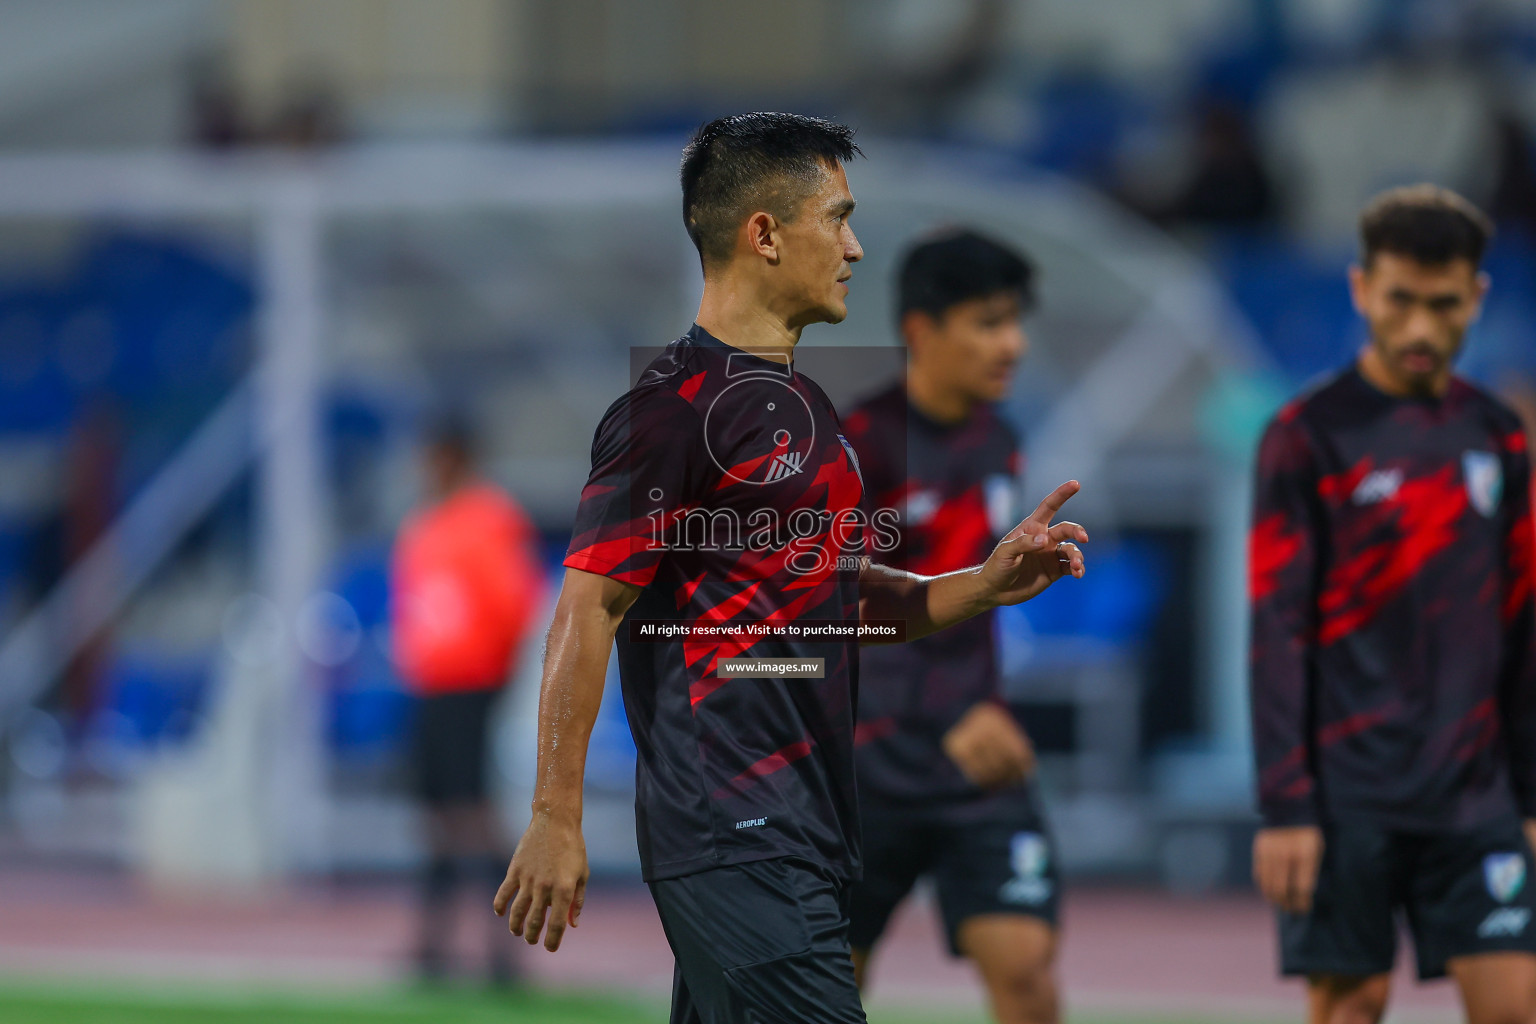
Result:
[[1000, 860], [759, 943], [448, 746], [1462, 893]]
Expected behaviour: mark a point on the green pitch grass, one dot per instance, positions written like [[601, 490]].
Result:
[[106, 1003]]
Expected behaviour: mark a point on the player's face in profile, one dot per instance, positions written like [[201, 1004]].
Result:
[[981, 342], [817, 249], [1418, 314]]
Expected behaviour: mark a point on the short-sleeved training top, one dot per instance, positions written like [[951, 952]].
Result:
[[721, 484]]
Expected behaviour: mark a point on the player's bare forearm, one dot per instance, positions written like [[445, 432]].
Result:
[[1029, 559], [926, 604], [547, 879], [587, 615]]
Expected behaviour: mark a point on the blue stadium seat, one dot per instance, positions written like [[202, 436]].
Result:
[[1298, 304]]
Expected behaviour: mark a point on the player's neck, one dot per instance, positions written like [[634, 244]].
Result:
[[940, 404], [453, 486], [1380, 376], [739, 317]]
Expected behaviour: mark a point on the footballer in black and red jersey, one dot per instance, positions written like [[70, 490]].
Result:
[[711, 445], [944, 769], [724, 539], [1394, 639]]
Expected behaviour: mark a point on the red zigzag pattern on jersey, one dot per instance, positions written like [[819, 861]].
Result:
[[1358, 588]]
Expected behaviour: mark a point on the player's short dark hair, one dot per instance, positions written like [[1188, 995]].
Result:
[[1427, 224], [956, 266], [736, 165]]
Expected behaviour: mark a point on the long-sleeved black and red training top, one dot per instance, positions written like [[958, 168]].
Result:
[[1394, 634], [955, 490]]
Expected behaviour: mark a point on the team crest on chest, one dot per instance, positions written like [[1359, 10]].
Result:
[[1484, 477]]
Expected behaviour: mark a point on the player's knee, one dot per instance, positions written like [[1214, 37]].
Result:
[[1025, 990], [1511, 1010], [1353, 1001], [1016, 958], [1357, 1010], [1510, 1013], [1520, 1016]]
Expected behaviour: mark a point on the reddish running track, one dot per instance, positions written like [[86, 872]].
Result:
[[1124, 949]]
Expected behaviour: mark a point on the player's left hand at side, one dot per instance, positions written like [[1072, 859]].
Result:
[[547, 877], [1035, 553]]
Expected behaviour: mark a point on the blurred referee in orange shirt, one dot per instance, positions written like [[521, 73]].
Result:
[[465, 581]]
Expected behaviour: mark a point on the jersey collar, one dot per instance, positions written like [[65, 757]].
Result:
[[737, 356]]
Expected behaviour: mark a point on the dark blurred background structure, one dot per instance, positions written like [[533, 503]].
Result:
[[246, 246]]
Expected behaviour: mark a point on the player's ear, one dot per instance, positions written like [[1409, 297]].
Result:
[[1357, 275], [1483, 284], [760, 229], [917, 327]]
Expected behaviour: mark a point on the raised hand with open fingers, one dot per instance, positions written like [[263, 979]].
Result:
[[1036, 553]]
